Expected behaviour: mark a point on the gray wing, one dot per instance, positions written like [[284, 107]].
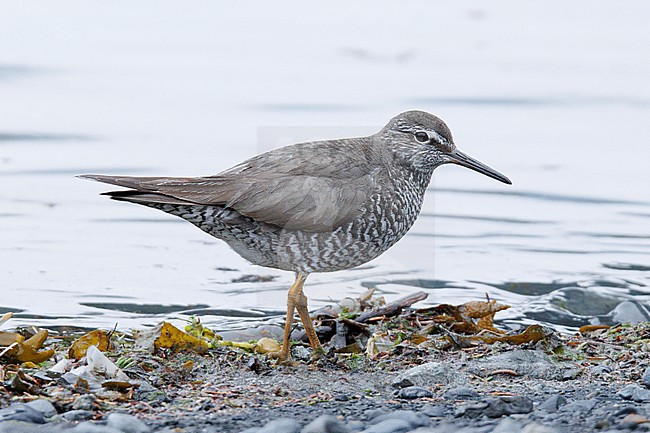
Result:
[[288, 188]]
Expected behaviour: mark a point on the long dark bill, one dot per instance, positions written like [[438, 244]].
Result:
[[460, 158]]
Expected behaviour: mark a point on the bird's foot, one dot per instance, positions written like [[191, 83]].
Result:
[[281, 359]]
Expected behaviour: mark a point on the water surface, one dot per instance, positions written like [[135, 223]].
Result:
[[167, 89]]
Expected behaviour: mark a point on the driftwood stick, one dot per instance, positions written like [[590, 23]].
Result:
[[393, 308]]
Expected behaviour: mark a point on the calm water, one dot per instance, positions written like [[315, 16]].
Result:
[[554, 95]]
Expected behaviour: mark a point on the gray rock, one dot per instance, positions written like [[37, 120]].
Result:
[[21, 412], [634, 393], [22, 427], [413, 392], [628, 312], [446, 427], [603, 369], [437, 411], [646, 377], [356, 426], [497, 407], [300, 353], [508, 425], [428, 374], [571, 373], [461, 393], [91, 427], [414, 419], [374, 413], [530, 363], [43, 406], [553, 403], [580, 406], [126, 423], [325, 424], [391, 425], [284, 425], [77, 415], [537, 428], [84, 402]]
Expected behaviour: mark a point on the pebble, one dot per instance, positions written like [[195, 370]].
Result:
[[537, 428], [437, 411], [391, 425], [646, 377], [496, 407], [531, 363], [508, 425], [374, 413], [283, 425], [635, 393], [43, 406], [553, 403], [356, 426], [580, 406], [628, 312], [414, 419], [21, 412], [84, 402], [91, 427], [77, 415], [428, 374], [126, 423], [325, 424], [413, 392], [461, 393]]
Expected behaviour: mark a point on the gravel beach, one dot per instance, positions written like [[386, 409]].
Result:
[[592, 382]]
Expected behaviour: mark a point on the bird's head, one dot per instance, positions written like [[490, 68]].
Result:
[[424, 141]]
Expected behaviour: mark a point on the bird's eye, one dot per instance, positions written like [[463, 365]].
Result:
[[422, 137]]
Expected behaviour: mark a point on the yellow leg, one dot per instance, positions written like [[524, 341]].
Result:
[[301, 307], [296, 300]]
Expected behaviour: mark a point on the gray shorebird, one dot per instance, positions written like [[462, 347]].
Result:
[[319, 206]]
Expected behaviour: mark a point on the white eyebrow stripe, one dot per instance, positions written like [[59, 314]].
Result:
[[439, 138]]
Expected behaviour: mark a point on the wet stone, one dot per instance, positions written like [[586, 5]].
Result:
[[646, 377], [21, 412], [553, 403], [461, 393], [635, 393], [356, 426], [497, 407], [508, 425], [414, 419], [325, 424], [91, 427], [284, 425], [627, 312], [43, 406], [392, 425], [22, 427], [530, 363], [84, 402], [428, 374], [571, 373], [413, 392], [626, 411], [602, 369], [300, 353], [77, 415], [126, 423], [580, 406], [374, 413], [436, 411]]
